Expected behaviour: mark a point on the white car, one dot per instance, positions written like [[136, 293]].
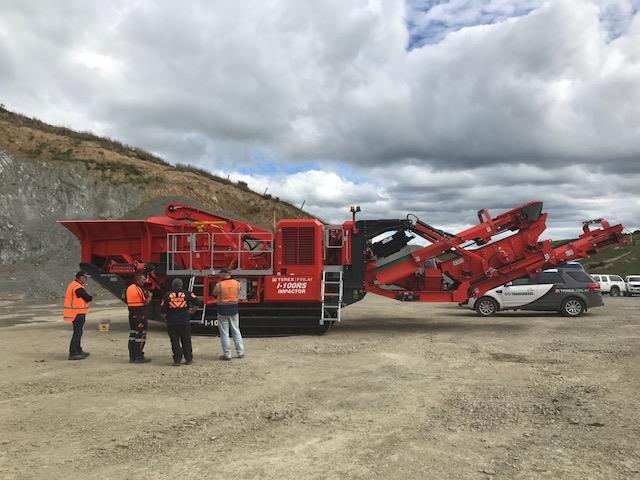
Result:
[[614, 285], [633, 285]]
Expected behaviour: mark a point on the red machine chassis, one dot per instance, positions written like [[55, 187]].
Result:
[[306, 271]]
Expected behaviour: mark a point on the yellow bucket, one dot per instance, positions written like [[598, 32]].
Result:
[[103, 325]]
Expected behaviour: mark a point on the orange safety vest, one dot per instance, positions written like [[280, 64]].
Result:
[[177, 300], [135, 296], [73, 305], [229, 290]]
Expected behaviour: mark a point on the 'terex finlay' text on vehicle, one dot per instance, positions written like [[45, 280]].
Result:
[[568, 291]]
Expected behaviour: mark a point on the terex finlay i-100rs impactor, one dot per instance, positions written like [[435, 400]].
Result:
[[298, 278]]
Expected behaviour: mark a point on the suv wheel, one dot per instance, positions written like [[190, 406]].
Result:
[[615, 292], [486, 306], [573, 307]]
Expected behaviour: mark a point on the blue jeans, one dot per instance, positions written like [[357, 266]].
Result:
[[224, 323]]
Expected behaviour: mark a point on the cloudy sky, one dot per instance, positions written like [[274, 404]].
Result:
[[434, 107]]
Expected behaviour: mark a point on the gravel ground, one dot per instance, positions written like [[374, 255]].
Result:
[[398, 390]]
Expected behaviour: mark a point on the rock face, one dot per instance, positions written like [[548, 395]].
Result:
[[38, 256], [34, 194], [51, 173]]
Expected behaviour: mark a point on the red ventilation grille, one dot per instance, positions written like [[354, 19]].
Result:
[[298, 245]]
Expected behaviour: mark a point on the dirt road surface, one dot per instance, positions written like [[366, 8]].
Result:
[[398, 390]]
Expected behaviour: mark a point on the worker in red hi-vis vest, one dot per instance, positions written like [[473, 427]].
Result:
[[137, 300], [76, 307], [227, 291]]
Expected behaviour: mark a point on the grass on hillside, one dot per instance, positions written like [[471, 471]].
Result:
[[128, 171], [620, 260], [104, 142]]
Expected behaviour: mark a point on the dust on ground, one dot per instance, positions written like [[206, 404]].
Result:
[[398, 390]]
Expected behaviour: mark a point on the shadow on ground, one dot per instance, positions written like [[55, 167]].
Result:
[[401, 325]]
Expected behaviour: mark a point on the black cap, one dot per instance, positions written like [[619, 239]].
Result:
[[82, 273]]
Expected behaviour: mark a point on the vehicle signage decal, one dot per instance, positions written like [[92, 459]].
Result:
[[520, 296], [291, 285]]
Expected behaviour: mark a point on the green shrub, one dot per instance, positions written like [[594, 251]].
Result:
[[37, 151], [61, 155]]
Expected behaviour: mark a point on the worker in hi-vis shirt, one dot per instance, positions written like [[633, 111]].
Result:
[[227, 290], [177, 307], [137, 300], [76, 307]]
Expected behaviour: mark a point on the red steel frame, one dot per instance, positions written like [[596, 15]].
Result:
[[469, 260], [477, 270]]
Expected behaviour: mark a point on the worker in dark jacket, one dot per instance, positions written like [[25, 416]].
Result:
[[177, 307], [137, 300], [76, 307]]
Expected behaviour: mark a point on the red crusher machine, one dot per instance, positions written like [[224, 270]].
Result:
[[297, 279]]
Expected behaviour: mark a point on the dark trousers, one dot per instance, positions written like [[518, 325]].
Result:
[[78, 328], [180, 336], [137, 333]]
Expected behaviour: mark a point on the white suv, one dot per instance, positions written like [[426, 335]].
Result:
[[566, 290], [612, 284], [633, 285]]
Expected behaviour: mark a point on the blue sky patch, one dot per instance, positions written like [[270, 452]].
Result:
[[429, 21]]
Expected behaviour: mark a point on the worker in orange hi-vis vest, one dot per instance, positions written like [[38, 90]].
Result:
[[76, 307], [227, 291], [137, 300]]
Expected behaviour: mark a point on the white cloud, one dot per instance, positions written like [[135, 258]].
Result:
[[450, 199], [493, 113], [325, 194]]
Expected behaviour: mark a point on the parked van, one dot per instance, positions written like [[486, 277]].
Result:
[[633, 285], [614, 285]]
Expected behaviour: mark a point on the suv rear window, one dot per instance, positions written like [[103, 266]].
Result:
[[580, 277], [616, 278], [548, 277]]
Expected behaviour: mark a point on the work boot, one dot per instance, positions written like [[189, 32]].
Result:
[[241, 355], [188, 362], [86, 354], [140, 360], [176, 364], [76, 356], [225, 358]]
